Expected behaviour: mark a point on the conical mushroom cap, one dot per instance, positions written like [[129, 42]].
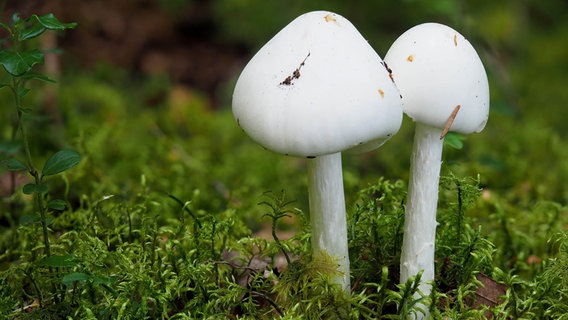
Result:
[[436, 69], [317, 87]]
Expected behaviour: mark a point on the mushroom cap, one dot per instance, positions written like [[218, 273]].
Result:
[[436, 69], [317, 87]]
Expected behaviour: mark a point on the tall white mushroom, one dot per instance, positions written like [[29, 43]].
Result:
[[444, 87], [317, 88]]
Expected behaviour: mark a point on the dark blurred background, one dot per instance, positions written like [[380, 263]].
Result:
[[205, 43]]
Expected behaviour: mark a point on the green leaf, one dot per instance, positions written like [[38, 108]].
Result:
[[36, 25], [49, 21], [98, 280], [61, 161], [15, 18], [9, 147], [7, 27], [68, 260], [68, 279], [454, 140], [29, 219], [57, 204], [37, 76], [15, 165], [32, 188], [33, 218], [29, 188], [31, 32], [18, 63]]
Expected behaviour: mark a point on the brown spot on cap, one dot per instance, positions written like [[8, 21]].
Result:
[[410, 58], [329, 18], [456, 40], [382, 93]]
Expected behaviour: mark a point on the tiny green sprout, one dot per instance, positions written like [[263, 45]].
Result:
[[278, 206]]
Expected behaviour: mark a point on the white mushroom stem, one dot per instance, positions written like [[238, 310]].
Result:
[[420, 216], [328, 214]]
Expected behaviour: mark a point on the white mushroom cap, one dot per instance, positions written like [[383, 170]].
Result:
[[317, 87], [436, 69]]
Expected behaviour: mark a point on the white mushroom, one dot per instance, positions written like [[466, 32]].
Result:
[[317, 88], [443, 86]]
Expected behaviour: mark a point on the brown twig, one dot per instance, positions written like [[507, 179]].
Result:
[[233, 265], [270, 301], [450, 121]]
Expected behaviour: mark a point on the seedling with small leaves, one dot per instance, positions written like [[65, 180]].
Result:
[[19, 60]]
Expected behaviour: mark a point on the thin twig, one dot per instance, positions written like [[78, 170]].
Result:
[[272, 303], [233, 265], [450, 121]]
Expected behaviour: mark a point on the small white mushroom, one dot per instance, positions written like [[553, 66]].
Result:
[[444, 87], [317, 88]]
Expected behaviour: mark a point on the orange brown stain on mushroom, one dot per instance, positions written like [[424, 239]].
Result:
[[456, 40], [410, 58], [381, 92], [329, 18]]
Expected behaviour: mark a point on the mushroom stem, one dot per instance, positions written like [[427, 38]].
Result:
[[420, 216], [328, 214]]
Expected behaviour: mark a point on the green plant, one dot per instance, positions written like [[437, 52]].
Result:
[[278, 206], [375, 230], [18, 60]]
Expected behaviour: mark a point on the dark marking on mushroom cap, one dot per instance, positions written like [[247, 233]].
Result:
[[296, 74], [389, 70]]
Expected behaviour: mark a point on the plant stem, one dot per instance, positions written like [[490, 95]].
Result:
[[36, 287], [460, 213], [328, 214], [43, 216], [16, 85], [277, 240], [18, 103], [418, 242]]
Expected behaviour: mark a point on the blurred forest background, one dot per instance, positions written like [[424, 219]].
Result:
[[149, 54], [205, 43]]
